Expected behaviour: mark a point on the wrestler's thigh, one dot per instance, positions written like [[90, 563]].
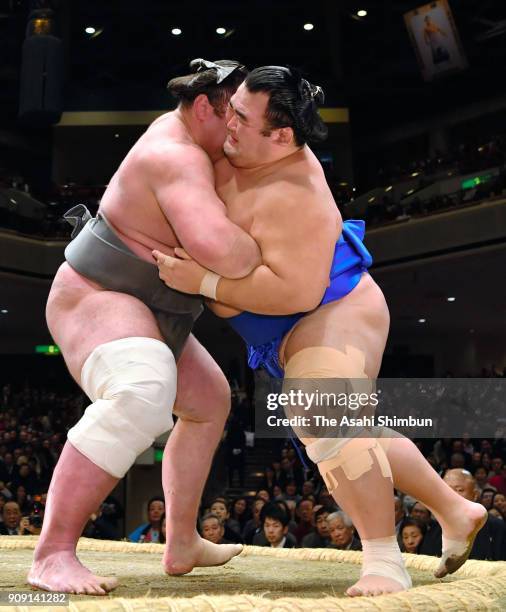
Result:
[[81, 317], [202, 388], [338, 325]]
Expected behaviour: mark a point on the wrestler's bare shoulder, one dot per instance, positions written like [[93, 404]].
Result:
[[171, 158], [297, 198]]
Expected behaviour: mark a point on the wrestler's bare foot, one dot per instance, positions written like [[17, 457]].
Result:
[[61, 571], [372, 585], [182, 556], [460, 527]]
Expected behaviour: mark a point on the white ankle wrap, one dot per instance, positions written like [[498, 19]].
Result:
[[382, 557], [132, 383]]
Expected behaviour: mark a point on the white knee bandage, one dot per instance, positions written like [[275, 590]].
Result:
[[353, 455], [132, 383]]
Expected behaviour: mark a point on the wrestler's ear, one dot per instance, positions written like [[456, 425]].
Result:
[[202, 108], [283, 136]]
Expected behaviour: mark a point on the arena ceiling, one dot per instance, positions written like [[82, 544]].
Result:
[[362, 62]]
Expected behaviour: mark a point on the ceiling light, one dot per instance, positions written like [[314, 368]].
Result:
[[176, 31], [421, 320], [116, 135], [413, 174], [308, 27], [362, 13], [90, 30], [389, 188], [4, 311], [450, 299], [221, 31]]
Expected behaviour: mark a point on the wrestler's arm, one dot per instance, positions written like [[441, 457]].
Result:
[[187, 197], [297, 246]]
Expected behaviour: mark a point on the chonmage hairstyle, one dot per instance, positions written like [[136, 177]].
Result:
[[293, 102], [217, 80]]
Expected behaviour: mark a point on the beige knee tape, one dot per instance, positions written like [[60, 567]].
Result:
[[355, 458], [326, 362]]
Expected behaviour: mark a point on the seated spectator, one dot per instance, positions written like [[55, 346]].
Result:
[[263, 494], [11, 519], [498, 480], [240, 512], [150, 531], [432, 536], [486, 497], [495, 512], [23, 500], [411, 535], [304, 514], [163, 530], [28, 479], [212, 529], [499, 503], [99, 528], [289, 508], [275, 526], [112, 512], [490, 542], [308, 488], [326, 499], [319, 538], [481, 478], [458, 461], [277, 492], [341, 532], [232, 529], [254, 525], [421, 513], [476, 460], [290, 493], [32, 524], [289, 472]]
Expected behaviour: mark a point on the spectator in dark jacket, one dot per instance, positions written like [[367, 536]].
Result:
[[319, 538], [490, 543]]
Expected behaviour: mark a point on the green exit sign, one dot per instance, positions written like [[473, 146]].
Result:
[[47, 349], [471, 183]]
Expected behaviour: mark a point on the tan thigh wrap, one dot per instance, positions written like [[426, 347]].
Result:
[[354, 455]]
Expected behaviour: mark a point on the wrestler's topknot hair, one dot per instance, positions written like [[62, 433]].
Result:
[[293, 102], [204, 80]]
